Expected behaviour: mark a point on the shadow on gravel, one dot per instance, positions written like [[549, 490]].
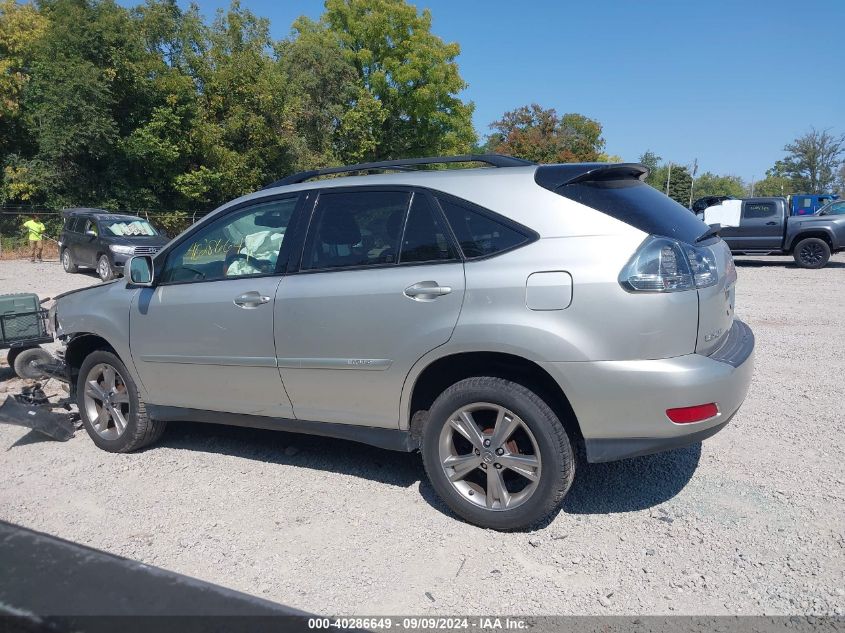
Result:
[[304, 451], [624, 486], [631, 484], [762, 263]]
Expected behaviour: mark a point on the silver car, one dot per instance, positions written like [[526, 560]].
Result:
[[492, 318]]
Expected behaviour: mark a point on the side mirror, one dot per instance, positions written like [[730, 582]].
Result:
[[141, 271], [90, 234]]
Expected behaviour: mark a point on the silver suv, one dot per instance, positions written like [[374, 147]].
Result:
[[492, 318]]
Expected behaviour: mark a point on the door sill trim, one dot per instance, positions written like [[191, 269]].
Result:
[[390, 439]]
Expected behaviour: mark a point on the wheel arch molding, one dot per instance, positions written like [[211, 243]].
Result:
[[434, 373]]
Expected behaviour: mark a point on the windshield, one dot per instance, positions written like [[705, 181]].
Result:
[[128, 228], [834, 208]]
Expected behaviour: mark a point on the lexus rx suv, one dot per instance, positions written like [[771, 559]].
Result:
[[492, 318]]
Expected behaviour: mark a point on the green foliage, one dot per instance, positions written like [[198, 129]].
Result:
[[773, 186], [812, 161], [652, 161], [20, 26], [679, 184], [152, 108], [710, 184], [409, 71], [542, 136]]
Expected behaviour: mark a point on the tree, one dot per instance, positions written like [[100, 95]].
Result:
[[410, 106], [20, 26], [772, 185], [656, 173], [812, 160], [710, 184], [540, 135], [678, 184]]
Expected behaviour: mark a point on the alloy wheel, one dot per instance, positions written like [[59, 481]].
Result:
[[103, 269], [490, 456], [106, 401], [812, 254]]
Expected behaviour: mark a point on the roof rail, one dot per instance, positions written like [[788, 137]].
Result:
[[404, 164]]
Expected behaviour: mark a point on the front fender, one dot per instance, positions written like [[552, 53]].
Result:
[[101, 311], [809, 229]]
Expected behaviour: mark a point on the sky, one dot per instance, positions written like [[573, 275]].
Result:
[[727, 82]]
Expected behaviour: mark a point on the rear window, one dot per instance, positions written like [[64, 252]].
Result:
[[755, 210], [638, 204]]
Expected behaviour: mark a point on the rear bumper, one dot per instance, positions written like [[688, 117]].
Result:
[[621, 405]]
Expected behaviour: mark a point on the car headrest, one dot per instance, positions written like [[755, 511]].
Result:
[[339, 227]]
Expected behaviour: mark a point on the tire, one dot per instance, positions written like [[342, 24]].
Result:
[[539, 440], [24, 361], [104, 269], [811, 252], [68, 263], [138, 429]]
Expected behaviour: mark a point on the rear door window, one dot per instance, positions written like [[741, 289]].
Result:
[[479, 234], [355, 228], [757, 210], [426, 238]]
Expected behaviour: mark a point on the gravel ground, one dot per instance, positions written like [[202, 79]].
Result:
[[750, 522]]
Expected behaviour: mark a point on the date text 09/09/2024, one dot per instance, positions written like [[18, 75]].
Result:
[[479, 623]]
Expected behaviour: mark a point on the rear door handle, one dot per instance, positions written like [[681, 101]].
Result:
[[251, 299], [771, 223], [426, 291]]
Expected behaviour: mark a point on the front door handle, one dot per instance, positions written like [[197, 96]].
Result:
[[426, 291], [771, 223], [251, 299]]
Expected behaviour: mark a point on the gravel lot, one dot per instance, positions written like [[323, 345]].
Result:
[[750, 522]]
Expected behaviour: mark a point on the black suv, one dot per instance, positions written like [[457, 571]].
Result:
[[100, 239]]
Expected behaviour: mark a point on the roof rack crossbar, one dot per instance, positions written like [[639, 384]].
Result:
[[405, 164]]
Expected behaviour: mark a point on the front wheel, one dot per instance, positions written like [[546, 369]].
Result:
[[67, 262], [811, 252], [112, 412], [496, 454], [104, 269]]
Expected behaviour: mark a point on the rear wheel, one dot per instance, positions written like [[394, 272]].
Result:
[[112, 412], [68, 263], [104, 269], [811, 252], [496, 454]]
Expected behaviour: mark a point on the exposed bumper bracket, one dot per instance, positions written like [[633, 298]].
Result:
[[612, 449]]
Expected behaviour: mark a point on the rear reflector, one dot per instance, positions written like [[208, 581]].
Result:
[[699, 412]]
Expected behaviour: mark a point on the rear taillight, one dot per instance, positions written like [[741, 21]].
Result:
[[688, 415], [665, 265]]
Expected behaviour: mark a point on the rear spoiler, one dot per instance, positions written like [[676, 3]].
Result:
[[553, 177]]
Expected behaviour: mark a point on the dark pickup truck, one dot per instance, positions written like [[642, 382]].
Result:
[[763, 226]]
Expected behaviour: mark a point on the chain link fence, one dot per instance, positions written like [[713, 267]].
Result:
[[13, 236]]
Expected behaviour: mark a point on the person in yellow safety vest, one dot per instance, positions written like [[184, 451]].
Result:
[[36, 229]]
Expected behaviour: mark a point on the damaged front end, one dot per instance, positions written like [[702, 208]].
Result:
[[32, 409]]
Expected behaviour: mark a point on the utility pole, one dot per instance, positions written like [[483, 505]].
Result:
[[668, 178], [692, 184], [752, 186]]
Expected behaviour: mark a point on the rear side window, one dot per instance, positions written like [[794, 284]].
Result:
[[638, 204], [426, 238], [361, 228], [755, 210], [478, 234]]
